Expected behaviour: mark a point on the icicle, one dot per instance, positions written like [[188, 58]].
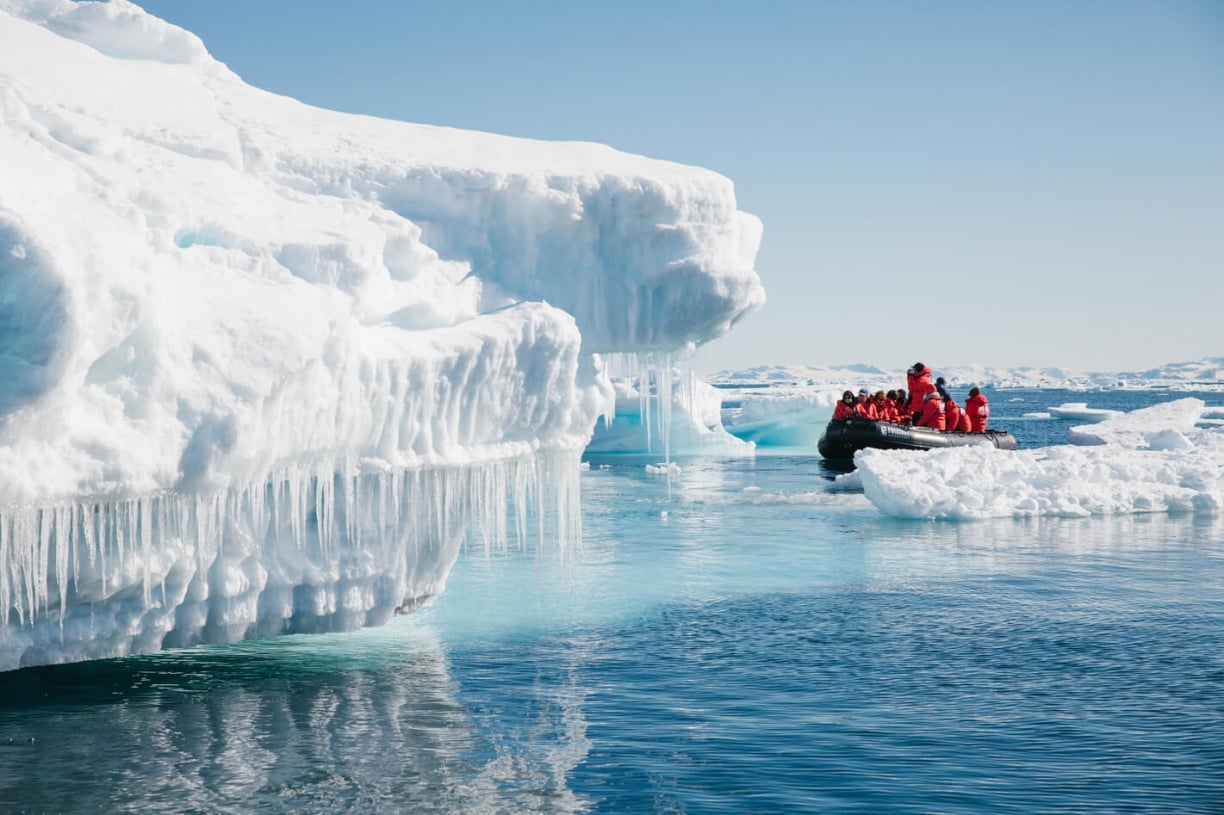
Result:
[[5, 601], [355, 538], [145, 525], [62, 534], [97, 551], [654, 375], [645, 387]]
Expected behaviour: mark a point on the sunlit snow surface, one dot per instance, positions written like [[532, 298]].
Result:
[[231, 323], [1148, 460]]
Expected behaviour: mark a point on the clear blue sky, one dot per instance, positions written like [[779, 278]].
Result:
[[998, 182]]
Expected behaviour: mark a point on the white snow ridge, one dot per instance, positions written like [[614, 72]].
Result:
[[262, 365]]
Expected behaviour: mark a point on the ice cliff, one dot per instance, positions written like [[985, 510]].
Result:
[[262, 364]]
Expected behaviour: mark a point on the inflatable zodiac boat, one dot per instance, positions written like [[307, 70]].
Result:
[[844, 436]]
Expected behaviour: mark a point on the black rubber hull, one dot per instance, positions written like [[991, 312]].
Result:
[[844, 436]]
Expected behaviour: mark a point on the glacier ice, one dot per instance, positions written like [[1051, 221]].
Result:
[[232, 324]]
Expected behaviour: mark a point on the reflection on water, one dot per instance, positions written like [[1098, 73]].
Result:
[[746, 640], [363, 723]]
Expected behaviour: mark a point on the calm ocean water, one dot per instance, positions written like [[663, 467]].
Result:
[[740, 640]]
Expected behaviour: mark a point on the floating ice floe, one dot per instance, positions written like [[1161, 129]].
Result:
[[1157, 427], [1164, 466], [1080, 412]]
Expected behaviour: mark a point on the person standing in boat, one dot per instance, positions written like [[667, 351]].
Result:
[[956, 419], [846, 408], [933, 412], [978, 410], [919, 383]]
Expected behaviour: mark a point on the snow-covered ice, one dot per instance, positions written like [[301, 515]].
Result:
[[261, 363], [1164, 458], [1152, 427], [1149, 460], [1080, 412]]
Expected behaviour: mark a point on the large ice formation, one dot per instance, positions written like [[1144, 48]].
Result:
[[261, 363]]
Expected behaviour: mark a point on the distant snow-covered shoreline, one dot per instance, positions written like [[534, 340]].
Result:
[[1206, 374]]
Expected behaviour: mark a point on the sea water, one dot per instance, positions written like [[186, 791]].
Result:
[[738, 637]]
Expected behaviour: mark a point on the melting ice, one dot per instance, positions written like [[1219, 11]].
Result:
[[261, 363]]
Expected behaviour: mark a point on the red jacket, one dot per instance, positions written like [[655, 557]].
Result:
[[844, 411], [865, 408], [919, 386], [979, 412], [933, 413], [899, 410], [956, 418], [886, 410]]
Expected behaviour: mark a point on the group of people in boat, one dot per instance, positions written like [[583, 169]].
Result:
[[922, 403]]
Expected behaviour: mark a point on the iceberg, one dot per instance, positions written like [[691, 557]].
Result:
[[784, 407], [263, 366], [780, 417]]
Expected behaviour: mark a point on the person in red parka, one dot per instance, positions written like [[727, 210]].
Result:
[[933, 412], [865, 406], [956, 419], [901, 403], [978, 410], [846, 407], [892, 407], [919, 381], [885, 410]]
